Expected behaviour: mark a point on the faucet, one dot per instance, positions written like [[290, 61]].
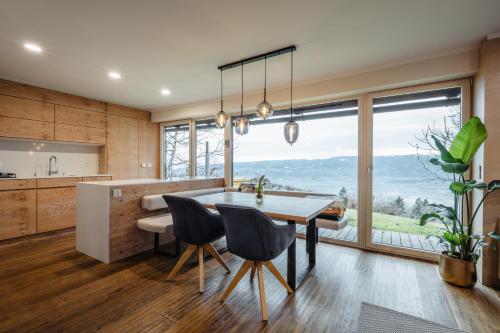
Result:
[[56, 170]]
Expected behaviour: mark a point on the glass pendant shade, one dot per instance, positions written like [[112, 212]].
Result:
[[291, 132], [264, 109], [241, 125], [221, 119]]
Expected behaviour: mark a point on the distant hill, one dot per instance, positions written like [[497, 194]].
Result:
[[392, 176]]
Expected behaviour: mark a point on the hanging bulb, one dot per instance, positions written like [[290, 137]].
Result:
[[291, 132], [241, 125], [221, 119], [264, 109], [291, 128]]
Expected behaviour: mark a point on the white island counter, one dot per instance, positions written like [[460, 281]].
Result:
[[107, 212]]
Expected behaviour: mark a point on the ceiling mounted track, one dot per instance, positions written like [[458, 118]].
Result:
[[259, 57]]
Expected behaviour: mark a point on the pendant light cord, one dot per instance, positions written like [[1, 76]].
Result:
[[265, 77], [291, 86], [242, 89], [221, 92]]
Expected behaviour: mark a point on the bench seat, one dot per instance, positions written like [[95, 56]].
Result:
[[156, 224]]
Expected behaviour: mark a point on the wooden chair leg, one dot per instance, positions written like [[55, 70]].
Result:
[[213, 252], [278, 276], [185, 256], [201, 268], [252, 273], [262, 291], [243, 269]]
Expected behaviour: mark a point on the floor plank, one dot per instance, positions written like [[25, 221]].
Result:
[[48, 286]]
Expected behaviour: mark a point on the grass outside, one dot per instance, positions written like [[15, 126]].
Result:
[[397, 223]]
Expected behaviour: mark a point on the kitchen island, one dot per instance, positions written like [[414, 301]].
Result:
[[107, 213]]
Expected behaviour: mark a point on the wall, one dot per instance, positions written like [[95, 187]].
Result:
[[487, 106], [431, 70], [23, 158]]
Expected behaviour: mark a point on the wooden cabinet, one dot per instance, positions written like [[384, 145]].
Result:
[[26, 129], [95, 178], [149, 149], [57, 182], [17, 213], [56, 208], [20, 108], [122, 147], [79, 117], [17, 184], [71, 133]]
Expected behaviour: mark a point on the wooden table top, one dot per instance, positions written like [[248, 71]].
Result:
[[301, 210]]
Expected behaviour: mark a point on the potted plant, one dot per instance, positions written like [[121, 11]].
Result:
[[457, 265], [259, 190]]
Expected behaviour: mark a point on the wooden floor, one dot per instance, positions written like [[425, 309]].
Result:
[[400, 239], [47, 286]]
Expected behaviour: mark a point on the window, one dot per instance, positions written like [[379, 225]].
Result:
[[323, 160], [404, 182], [209, 149], [175, 151]]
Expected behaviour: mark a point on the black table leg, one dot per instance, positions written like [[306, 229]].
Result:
[[291, 269], [311, 241]]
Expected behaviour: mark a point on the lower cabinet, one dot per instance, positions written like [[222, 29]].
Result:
[[56, 208], [17, 213]]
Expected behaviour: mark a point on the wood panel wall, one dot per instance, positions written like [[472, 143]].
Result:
[[130, 143], [486, 105]]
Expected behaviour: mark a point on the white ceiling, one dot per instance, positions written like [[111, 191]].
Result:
[[178, 44]]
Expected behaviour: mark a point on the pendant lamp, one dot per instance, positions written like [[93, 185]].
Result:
[[291, 129], [221, 117], [265, 109], [242, 123]]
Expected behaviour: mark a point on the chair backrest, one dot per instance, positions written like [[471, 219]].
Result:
[[250, 234], [193, 223]]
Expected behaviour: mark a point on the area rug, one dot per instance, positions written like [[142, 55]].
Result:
[[376, 319]]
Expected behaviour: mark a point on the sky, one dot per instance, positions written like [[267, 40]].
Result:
[[325, 138]]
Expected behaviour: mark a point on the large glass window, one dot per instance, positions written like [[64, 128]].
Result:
[[175, 151], [323, 160], [404, 183], [209, 149]]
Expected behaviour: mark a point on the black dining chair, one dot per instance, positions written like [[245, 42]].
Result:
[[198, 227], [253, 236]]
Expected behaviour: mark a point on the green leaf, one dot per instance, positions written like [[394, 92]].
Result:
[[460, 188], [493, 185], [429, 217], [445, 154], [457, 168], [494, 235], [468, 140]]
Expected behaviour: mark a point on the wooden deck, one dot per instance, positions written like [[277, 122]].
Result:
[[401, 239]]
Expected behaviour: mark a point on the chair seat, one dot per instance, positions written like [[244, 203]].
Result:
[[158, 223]]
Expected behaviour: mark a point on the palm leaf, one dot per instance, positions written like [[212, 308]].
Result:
[[468, 140]]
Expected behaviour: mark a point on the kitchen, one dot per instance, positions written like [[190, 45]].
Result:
[[50, 141]]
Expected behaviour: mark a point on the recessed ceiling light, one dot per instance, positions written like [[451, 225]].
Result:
[[115, 75], [33, 47], [165, 92]]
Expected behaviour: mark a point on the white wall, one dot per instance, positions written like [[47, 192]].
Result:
[[454, 66], [23, 158]]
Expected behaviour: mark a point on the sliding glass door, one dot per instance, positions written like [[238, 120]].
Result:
[[402, 180]]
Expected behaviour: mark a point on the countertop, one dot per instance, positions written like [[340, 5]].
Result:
[[125, 182], [58, 176]]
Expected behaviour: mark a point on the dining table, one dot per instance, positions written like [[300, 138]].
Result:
[[292, 209]]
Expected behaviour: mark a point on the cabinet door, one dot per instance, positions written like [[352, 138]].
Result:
[[79, 117], [26, 129], [149, 149], [71, 133], [56, 208], [122, 147], [17, 213]]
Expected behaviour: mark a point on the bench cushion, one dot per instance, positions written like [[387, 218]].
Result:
[[331, 224], [155, 201], [158, 223]]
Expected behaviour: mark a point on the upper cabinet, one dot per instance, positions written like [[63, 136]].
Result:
[[130, 143]]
